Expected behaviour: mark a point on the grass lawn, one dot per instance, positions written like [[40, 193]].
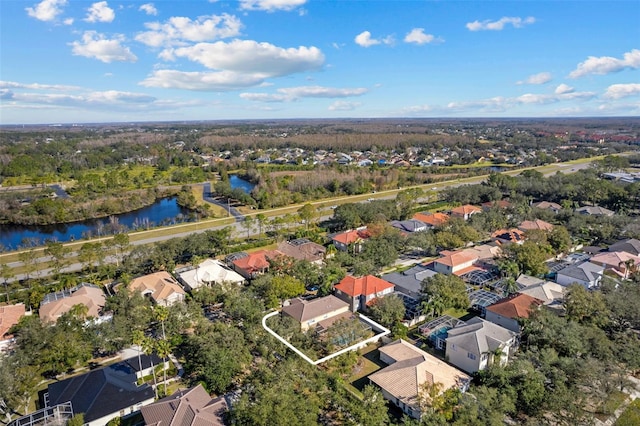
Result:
[[630, 416], [458, 313], [368, 363]]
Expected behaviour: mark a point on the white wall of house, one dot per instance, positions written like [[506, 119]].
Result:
[[566, 281], [313, 321], [122, 413], [465, 360]]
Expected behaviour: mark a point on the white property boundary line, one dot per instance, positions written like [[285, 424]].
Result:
[[355, 347]]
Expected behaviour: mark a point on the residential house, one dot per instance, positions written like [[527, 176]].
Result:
[[465, 211], [547, 205], [484, 252], [207, 273], [535, 225], [620, 263], [508, 236], [253, 264], [631, 246], [160, 287], [478, 344], [351, 240], [594, 211], [408, 370], [500, 204], [409, 282], [142, 364], [586, 274], [551, 294], [54, 305], [432, 219], [189, 407], [303, 249], [317, 312], [455, 262], [409, 226], [9, 316], [102, 394], [506, 312], [359, 292]]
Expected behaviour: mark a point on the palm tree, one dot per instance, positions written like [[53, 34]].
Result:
[[510, 286], [164, 349], [138, 339], [433, 307], [148, 347], [162, 314]]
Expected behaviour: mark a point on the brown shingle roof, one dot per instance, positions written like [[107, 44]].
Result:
[[307, 250], [191, 407], [303, 310], [530, 225], [90, 296], [515, 306]]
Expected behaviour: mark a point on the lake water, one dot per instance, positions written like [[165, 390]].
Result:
[[165, 211], [237, 182]]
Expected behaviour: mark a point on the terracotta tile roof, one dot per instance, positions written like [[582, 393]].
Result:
[[350, 237], [530, 225], [9, 316], [455, 258], [515, 306], [366, 285], [189, 407], [256, 261], [465, 210], [433, 219], [161, 285], [511, 235], [547, 205]]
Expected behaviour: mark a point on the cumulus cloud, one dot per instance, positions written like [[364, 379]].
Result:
[[149, 9], [540, 78], [100, 12], [271, 5], [220, 81], [364, 39], [68, 21], [178, 30], [343, 106], [563, 89], [606, 64], [251, 57], [617, 91], [499, 25], [418, 36], [289, 94], [46, 10], [96, 45]]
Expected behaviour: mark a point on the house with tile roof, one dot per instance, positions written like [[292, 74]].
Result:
[[208, 272], [322, 311], [586, 274], [359, 292], [457, 262], [465, 211], [160, 287], [188, 407], [352, 240], [408, 370], [500, 204], [594, 211], [303, 249], [409, 226], [253, 264], [551, 294], [102, 394], [54, 305], [432, 219], [508, 236], [620, 263], [478, 344], [631, 246], [9, 316], [535, 225], [506, 312], [547, 205]]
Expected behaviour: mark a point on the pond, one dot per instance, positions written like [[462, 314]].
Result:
[[165, 211], [237, 182]]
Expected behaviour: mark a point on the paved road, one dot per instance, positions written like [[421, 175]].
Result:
[[206, 195]]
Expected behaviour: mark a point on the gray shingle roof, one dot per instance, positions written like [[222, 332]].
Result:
[[479, 336]]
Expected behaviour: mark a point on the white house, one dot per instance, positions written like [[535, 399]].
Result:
[[586, 274]]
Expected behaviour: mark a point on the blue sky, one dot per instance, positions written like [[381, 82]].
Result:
[[67, 61]]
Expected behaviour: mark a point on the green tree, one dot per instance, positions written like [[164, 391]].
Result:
[[306, 214], [76, 420], [559, 239], [58, 253], [163, 348], [7, 273], [586, 307], [529, 256], [387, 310], [449, 289]]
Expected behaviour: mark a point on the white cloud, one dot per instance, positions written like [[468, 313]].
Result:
[[418, 36], [100, 12], [563, 89], [95, 45], [343, 106], [46, 10], [271, 5], [36, 86], [220, 81], [364, 39], [251, 57], [68, 21], [540, 78], [149, 9], [499, 25], [617, 91], [289, 94], [178, 30], [606, 64]]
